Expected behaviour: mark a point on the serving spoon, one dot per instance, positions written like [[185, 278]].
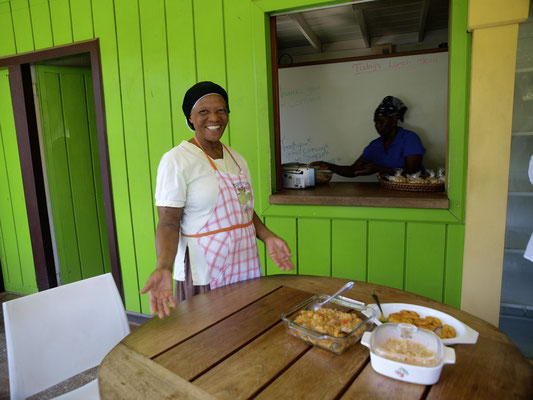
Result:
[[382, 317], [318, 306]]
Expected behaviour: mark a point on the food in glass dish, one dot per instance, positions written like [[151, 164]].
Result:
[[326, 320], [344, 317]]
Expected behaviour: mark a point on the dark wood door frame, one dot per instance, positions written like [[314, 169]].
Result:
[[30, 157]]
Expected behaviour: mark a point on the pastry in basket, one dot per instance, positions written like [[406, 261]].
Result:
[[416, 182], [395, 148], [436, 179], [416, 178]]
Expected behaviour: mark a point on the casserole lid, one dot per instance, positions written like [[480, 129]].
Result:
[[407, 344]]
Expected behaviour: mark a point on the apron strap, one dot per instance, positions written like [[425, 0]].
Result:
[[231, 155], [211, 160], [229, 228]]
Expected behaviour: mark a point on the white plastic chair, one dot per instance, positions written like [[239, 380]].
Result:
[[60, 332]]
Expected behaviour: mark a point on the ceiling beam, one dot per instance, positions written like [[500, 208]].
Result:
[[423, 19], [361, 22], [306, 30]]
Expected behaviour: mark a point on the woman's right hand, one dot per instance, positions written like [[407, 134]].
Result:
[[159, 286]]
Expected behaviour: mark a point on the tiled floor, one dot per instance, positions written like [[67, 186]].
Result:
[[63, 387]]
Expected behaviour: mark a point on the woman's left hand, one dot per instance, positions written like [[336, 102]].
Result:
[[279, 252]]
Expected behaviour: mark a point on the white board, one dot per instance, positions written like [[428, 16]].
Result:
[[327, 110]]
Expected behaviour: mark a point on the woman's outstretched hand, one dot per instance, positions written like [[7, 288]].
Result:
[[159, 286], [279, 252]]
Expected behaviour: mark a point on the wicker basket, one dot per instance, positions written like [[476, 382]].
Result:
[[411, 187]]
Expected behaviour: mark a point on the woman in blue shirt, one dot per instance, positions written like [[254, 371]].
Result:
[[395, 148]]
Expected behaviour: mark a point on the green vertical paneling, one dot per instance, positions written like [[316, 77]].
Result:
[[348, 249], [263, 112], [209, 39], [14, 218], [11, 267], [22, 26], [4, 265], [61, 22], [82, 20], [286, 229], [386, 249], [138, 160], [453, 278], [10, 257], [40, 21], [55, 150], [7, 44], [314, 246], [424, 259], [96, 172], [459, 89], [81, 173], [156, 83], [181, 60], [242, 88], [104, 27], [240, 82]]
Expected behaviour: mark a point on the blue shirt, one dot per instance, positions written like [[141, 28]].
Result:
[[406, 143]]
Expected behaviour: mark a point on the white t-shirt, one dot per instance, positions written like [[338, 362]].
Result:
[[185, 178]]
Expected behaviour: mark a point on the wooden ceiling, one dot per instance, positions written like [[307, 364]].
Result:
[[360, 25]]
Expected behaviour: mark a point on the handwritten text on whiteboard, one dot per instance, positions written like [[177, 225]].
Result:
[[369, 67]]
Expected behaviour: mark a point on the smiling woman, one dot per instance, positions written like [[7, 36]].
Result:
[[207, 225]]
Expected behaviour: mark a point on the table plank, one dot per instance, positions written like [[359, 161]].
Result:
[[318, 374], [371, 385], [467, 379], [195, 355], [252, 367], [195, 314], [118, 378]]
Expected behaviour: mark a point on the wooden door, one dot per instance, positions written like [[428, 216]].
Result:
[[73, 172]]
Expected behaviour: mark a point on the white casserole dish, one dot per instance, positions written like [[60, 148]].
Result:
[[407, 353]]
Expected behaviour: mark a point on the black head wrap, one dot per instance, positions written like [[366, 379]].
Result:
[[198, 91], [391, 106]]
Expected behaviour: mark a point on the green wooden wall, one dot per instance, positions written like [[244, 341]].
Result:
[[15, 245], [152, 51]]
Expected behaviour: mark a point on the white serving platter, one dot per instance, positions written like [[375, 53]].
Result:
[[464, 334]]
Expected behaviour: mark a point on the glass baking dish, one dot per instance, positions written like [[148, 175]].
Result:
[[336, 345]]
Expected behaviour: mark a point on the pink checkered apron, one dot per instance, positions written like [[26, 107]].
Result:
[[228, 239]]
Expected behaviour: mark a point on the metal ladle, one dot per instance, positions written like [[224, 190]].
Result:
[[318, 306]]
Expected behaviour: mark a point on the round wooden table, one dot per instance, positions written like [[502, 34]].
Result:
[[230, 343]]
